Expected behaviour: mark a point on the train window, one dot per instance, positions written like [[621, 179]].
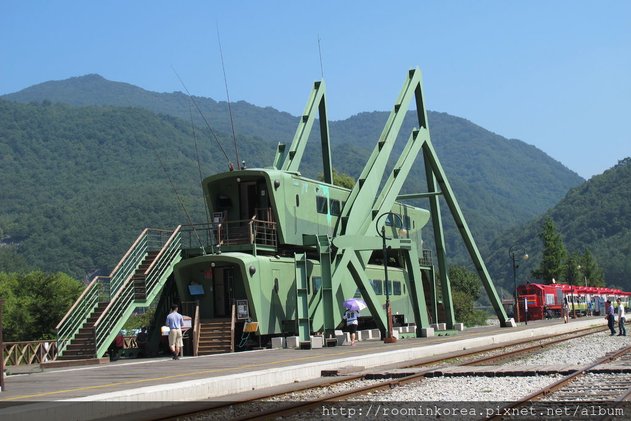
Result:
[[406, 222], [335, 207], [357, 294], [389, 288], [297, 200], [377, 286], [321, 204], [276, 285], [396, 287], [403, 289], [316, 283]]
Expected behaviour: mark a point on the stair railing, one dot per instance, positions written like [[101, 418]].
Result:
[[130, 261], [197, 327], [123, 302], [80, 312], [164, 260]]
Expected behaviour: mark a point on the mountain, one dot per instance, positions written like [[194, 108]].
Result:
[[595, 215], [79, 153]]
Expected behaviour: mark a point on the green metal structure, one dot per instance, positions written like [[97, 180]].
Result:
[[290, 249]]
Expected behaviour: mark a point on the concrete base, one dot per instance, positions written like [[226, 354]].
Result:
[[459, 327], [292, 342], [317, 342], [278, 343], [427, 332]]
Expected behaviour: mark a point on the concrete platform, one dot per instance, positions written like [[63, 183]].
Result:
[[142, 384]]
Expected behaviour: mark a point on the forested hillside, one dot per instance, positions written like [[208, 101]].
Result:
[[78, 185], [594, 216], [80, 182]]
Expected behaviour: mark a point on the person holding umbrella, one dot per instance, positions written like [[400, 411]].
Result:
[[353, 307]]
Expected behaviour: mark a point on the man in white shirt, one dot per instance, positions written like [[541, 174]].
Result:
[[622, 331]]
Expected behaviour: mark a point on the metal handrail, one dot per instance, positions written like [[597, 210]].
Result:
[[124, 298], [77, 303]]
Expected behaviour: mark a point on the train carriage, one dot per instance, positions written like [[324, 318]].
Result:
[[546, 300]]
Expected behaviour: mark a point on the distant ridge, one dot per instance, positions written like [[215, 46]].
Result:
[[500, 183]]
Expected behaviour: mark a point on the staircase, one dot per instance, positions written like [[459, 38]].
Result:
[[139, 278], [82, 345], [215, 337], [99, 314]]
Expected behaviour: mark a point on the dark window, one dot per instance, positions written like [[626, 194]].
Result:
[[316, 284], [336, 210], [357, 294], [321, 204], [396, 287], [297, 200], [389, 288], [377, 286]]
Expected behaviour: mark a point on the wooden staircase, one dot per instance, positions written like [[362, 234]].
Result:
[[215, 337], [140, 287], [82, 345]]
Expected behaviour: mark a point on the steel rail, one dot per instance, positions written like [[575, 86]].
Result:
[[547, 390], [293, 407]]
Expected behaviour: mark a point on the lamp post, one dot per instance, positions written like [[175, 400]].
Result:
[[382, 233], [516, 250]]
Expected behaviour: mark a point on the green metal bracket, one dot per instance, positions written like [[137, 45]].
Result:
[[289, 159], [302, 297]]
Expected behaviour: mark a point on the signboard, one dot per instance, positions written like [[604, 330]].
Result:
[[243, 311]]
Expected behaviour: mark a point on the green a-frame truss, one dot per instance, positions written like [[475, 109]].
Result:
[[345, 255]]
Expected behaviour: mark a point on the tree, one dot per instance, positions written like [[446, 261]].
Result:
[[554, 253], [591, 271], [35, 302], [465, 290], [340, 179]]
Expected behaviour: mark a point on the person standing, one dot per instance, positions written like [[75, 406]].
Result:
[[566, 310], [622, 331], [351, 323], [174, 322], [610, 317]]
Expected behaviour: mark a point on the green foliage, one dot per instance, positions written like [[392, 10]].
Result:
[[591, 272], [340, 179], [136, 321], [554, 253], [465, 291], [35, 302]]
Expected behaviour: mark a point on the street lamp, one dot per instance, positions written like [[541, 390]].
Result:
[[516, 250], [382, 233]]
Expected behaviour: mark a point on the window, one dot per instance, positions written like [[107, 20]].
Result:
[[316, 284], [336, 209], [297, 200], [396, 287], [357, 294], [321, 205], [377, 286], [389, 288]]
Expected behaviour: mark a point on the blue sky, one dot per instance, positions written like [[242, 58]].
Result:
[[555, 74]]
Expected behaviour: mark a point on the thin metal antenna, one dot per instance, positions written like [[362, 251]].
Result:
[[203, 117], [225, 81], [320, 53]]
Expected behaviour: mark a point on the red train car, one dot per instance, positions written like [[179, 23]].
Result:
[[539, 301]]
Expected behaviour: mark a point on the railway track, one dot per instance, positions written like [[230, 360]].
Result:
[[278, 403], [598, 391]]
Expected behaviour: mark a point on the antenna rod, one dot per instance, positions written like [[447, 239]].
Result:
[[225, 81], [203, 117], [320, 53]]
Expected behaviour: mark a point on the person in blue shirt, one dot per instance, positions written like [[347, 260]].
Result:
[[174, 322]]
